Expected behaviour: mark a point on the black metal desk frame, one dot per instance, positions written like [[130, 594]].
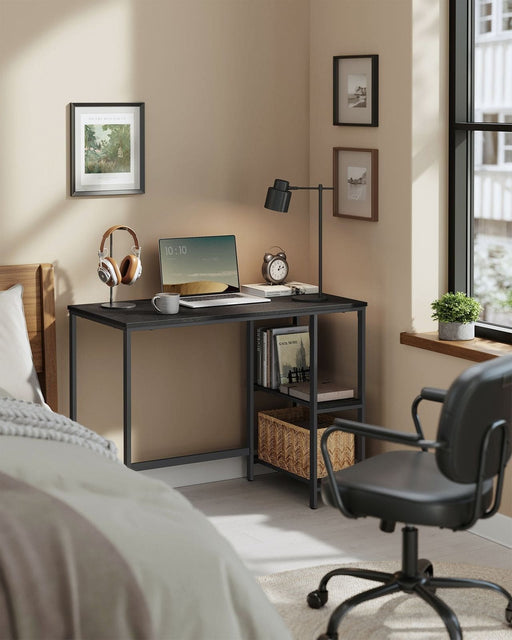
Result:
[[144, 318]]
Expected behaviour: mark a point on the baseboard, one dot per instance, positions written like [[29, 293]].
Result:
[[497, 529], [201, 472]]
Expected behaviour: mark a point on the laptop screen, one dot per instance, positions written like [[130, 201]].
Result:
[[201, 265]]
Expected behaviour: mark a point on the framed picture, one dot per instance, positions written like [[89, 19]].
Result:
[[356, 90], [107, 148], [356, 180]]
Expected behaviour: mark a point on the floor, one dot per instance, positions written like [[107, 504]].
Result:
[[270, 525]]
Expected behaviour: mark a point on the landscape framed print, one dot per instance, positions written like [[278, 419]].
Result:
[[356, 90], [356, 182], [107, 148]]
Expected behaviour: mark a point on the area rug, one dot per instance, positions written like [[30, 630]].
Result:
[[481, 612]]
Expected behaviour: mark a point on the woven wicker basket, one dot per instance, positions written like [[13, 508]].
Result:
[[283, 441]]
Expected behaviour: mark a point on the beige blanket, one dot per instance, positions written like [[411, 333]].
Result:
[[91, 549]]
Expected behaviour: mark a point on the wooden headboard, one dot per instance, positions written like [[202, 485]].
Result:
[[39, 304]]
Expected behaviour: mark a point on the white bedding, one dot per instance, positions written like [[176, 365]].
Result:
[[91, 549]]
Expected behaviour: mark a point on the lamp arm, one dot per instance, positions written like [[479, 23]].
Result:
[[320, 188]]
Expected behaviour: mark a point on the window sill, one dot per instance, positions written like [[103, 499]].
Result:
[[477, 350]]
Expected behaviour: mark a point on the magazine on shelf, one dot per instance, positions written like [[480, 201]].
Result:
[[267, 372], [326, 390], [293, 356]]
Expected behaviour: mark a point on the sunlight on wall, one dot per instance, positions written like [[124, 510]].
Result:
[[214, 105], [54, 51], [429, 161]]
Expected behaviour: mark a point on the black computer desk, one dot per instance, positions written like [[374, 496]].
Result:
[[144, 318]]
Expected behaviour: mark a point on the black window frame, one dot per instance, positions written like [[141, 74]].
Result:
[[462, 126]]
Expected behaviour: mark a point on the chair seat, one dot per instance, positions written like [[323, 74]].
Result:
[[406, 486]]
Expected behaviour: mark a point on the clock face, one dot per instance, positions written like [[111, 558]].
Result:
[[278, 270]]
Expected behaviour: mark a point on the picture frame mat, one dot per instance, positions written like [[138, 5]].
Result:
[[108, 183], [351, 73], [355, 183]]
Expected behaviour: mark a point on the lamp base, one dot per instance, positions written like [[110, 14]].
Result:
[[310, 297]]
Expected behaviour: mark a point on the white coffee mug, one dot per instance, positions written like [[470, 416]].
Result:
[[166, 302]]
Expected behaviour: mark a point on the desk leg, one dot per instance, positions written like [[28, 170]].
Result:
[[72, 366], [313, 411], [361, 379], [127, 395], [250, 399]]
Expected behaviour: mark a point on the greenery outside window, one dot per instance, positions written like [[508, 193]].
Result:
[[480, 146]]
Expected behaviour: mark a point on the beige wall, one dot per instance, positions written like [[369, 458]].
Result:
[[237, 92], [398, 265], [226, 88]]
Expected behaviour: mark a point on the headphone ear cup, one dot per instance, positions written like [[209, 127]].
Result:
[[110, 266], [130, 269]]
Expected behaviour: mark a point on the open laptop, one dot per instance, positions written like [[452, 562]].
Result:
[[203, 270]]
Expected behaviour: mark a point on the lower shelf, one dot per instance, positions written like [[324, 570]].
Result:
[[284, 442], [199, 457]]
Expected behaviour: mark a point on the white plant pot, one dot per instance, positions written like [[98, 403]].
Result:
[[456, 330]]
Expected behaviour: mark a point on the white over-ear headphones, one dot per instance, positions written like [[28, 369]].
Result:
[[130, 269]]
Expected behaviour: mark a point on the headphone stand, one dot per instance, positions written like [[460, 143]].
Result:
[[111, 304]]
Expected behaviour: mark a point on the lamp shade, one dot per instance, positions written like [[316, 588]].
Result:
[[278, 196]]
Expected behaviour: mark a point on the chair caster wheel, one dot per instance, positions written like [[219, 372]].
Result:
[[317, 599]]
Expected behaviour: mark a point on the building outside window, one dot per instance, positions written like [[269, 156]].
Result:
[[481, 158]]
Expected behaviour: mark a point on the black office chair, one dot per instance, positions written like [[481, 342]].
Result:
[[451, 488]]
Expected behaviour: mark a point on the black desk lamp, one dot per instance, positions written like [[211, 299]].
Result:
[[278, 199]]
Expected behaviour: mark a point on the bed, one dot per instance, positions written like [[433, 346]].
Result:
[[88, 547]]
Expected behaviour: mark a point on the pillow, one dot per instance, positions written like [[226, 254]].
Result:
[[18, 376]]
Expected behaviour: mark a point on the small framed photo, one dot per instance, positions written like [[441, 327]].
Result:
[[356, 90], [107, 148], [356, 181]]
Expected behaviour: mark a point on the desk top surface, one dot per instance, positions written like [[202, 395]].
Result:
[[144, 317]]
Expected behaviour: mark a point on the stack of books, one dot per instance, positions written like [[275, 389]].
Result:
[[282, 361], [277, 290], [326, 390], [282, 355]]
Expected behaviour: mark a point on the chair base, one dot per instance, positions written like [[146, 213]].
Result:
[[416, 576]]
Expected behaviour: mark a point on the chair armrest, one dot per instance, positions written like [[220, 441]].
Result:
[[381, 433], [427, 393], [433, 394]]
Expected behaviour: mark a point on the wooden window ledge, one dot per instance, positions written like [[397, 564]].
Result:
[[477, 350]]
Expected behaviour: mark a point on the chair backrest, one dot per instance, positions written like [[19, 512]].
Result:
[[479, 397]]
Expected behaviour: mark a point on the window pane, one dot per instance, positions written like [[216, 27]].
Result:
[[484, 26], [485, 8], [507, 140], [507, 15], [484, 14], [492, 243], [491, 171], [489, 141]]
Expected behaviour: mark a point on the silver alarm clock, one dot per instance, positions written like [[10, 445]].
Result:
[[275, 267]]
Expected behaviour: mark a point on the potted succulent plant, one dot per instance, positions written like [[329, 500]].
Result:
[[456, 314]]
